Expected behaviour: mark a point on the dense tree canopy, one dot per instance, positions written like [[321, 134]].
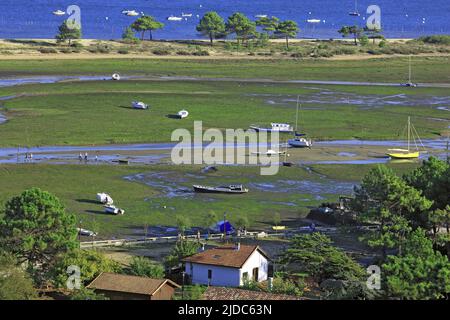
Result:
[[419, 272], [351, 30], [15, 283], [36, 228], [212, 25], [316, 256], [68, 32], [269, 25], [182, 249], [146, 23], [143, 267], [90, 262], [240, 25], [287, 29]]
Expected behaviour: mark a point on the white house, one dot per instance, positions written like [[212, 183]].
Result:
[[228, 266]]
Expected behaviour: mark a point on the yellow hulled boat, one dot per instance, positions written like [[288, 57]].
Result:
[[407, 153]]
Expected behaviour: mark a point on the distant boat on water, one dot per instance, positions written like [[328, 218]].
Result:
[[59, 13], [355, 13], [261, 16], [130, 13], [173, 18], [186, 15], [313, 20]]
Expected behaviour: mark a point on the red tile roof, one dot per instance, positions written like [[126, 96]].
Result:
[[220, 293], [226, 256], [130, 284]]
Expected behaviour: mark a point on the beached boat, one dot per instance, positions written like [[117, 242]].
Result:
[[232, 189], [116, 76], [182, 114], [299, 141], [86, 233], [269, 152], [409, 83], [59, 13], [104, 198], [114, 210], [279, 127], [139, 105], [173, 18], [407, 153]]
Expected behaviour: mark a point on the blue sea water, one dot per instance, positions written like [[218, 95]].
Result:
[[103, 19]]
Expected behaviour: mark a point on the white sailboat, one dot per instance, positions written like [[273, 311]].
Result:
[[173, 18], [298, 141], [356, 12], [59, 13], [409, 83]]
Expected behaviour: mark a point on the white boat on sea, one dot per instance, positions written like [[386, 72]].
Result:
[[130, 13], [186, 15], [173, 18], [313, 20], [261, 16], [355, 13], [278, 127], [59, 13]]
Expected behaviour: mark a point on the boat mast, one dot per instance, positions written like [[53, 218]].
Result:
[[409, 130], [296, 115], [409, 74]]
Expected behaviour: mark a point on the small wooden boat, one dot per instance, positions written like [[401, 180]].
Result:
[[232, 189]]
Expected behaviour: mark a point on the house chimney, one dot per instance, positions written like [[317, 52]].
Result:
[[270, 283], [238, 246]]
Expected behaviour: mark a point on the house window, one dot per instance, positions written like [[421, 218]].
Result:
[[245, 276], [255, 274]]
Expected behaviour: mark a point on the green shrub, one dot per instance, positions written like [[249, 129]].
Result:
[[161, 52], [183, 53], [382, 44], [123, 51], [77, 45], [47, 50], [143, 267], [436, 39], [201, 53]]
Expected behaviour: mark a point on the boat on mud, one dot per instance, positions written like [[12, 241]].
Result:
[[407, 153], [114, 210], [104, 198], [299, 141], [232, 189], [274, 127], [182, 114], [139, 105], [269, 153]]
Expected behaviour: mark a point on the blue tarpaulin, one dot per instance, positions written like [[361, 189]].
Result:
[[224, 226]]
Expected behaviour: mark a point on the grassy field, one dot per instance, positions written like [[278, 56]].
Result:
[[392, 69], [98, 112], [77, 185]]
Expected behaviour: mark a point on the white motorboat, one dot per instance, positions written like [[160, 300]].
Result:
[[313, 20], [232, 189], [116, 76], [182, 114], [104, 198], [261, 16], [59, 13], [139, 105], [131, 13], [114, 210], [186, 15], [86, 233], [278, 127], [173, 18]]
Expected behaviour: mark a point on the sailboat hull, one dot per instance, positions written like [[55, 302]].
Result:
[[408, 155]]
